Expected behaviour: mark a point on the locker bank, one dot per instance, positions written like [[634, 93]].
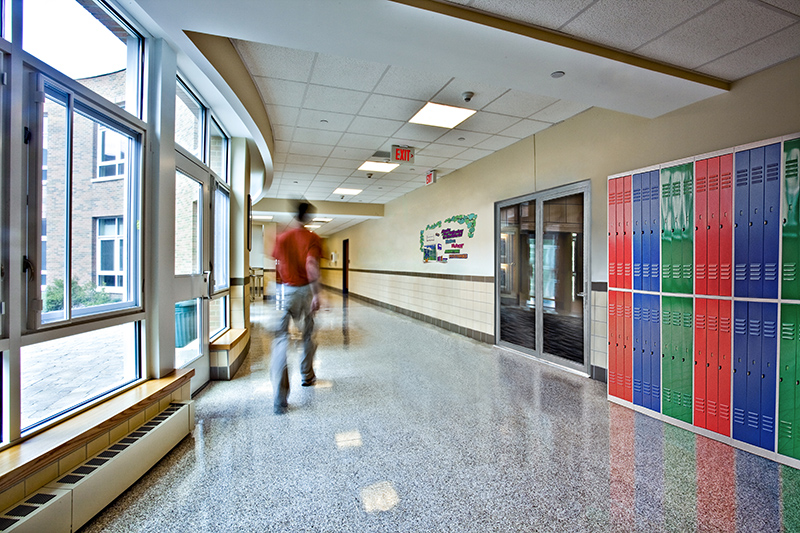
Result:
[[572, 307]]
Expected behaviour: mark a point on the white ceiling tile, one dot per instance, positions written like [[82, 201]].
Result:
[[525, 128], [547, 13], [356, 183], [357, 140], [343, 163], [455, 163], [765, 53], [298, 176], [792, 6], [409, 83], [279, 157], [315, 136], [279, 114], [282, 133], [313, 119], [452, 94], [392, 107], [473, 154], [559, 111], [418, 133], [497, 142], [327, 175], [334, 99], [470, 138], [361, 154], [428, 161], [331, 172], [374, 126], [733, 24], [303, 168], [282, 147], [304, 160], [317, 196], [484, 122], [282, 92], [442, 150], [347, 73], [275, 61], [320, 150], [519, 104], [628, 25]]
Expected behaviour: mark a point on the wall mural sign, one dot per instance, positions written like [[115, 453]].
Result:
[[445, 240]]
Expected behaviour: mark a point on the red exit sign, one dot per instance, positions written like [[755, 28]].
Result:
[[402, 154]]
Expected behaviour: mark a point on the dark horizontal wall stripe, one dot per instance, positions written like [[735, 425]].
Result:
[[330, 268], [600, 286], [240, 281], [480, 279], [449, 326]]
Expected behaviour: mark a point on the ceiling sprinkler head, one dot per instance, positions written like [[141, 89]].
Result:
[[369, 175], [467, 96]]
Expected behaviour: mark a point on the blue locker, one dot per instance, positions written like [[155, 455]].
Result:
[[769, 383], [637, 232], [655, 234], [741, 224], [772, 214], [655, 353], [637, 348], [741, 430], [645, 232], [755, 283]]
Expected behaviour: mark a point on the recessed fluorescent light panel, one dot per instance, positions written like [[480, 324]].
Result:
[[374, 166], [313, 226], [320, 219], [347, 191], [441, 116], [262, 217]]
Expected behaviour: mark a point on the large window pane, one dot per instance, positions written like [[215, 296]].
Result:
[[187, 332], [188, 205], [88, 43], [88, 251], [221, 239], [218, 151], [217, 316], [62, 374], [188, 121]]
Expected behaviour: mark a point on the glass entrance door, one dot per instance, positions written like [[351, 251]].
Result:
[[542, 255]]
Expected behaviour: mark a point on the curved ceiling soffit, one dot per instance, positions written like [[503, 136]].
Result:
[[219, 51]]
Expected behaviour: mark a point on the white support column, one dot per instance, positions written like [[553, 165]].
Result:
[[240, 255]]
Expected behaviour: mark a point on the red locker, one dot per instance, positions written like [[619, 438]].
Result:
[[725, 224], [612, 234], [712, 238], [712, 364], [724, 369], [620, 233], [627, 232], [627, 355], [701, 226], [700, 360], [612, 342]]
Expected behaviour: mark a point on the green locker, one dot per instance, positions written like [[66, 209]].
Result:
[[788, 382], [677, 360], [791, 221], [666, 231], [677, 231]]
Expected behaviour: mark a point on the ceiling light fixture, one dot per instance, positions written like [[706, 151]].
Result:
[[262, 217], [312, 226], [322, 219], [347, 191], [375, 166], [441, 116]]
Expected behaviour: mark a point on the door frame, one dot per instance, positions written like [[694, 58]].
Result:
[[581, 187], [194, 286]]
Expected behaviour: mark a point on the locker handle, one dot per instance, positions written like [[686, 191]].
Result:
[[720, 368], [709, 227], [762, 376], [748, 372], [708, 364]]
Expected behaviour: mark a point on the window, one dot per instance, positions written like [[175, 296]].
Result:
[[88, 254], [189, 123], [218, 150], [187, 328], [221, 238], [111, 255], [112, 152], [217, 316], [188, 210], [88, 42]]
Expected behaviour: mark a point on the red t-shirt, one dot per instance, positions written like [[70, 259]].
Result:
[[292, 248]]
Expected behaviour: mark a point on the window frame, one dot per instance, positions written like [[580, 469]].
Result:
[[83, 102]]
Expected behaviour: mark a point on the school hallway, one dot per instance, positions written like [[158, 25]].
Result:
[[412, 428]]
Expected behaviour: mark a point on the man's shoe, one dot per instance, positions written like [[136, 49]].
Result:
[[281, 409], [309, 383]]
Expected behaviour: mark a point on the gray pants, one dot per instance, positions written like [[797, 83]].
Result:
[[297, 306]]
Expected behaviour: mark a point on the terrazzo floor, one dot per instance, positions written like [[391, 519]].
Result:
[[413, 429]]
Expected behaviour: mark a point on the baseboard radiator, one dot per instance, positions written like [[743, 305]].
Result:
[[72, 499]]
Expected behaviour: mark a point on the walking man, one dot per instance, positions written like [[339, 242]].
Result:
[[297, 252]]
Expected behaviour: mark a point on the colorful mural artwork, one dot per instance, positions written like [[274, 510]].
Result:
[[445, 240]]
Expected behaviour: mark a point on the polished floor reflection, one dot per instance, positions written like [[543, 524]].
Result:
[[412, 428]]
